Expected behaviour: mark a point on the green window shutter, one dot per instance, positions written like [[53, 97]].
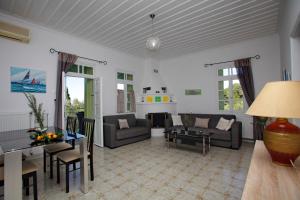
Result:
[[73, 68], [120, 76], [129, 77], [88, 70], [220, 72], [88, 98], [129, 88]]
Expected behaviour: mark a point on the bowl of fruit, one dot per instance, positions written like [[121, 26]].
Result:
[[46, 138]]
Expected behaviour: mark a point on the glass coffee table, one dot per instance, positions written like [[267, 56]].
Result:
[[192, 134]]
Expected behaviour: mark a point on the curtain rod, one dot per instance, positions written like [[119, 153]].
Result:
[[99, 61], [257, 57]]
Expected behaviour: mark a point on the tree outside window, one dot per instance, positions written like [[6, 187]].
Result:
[[230, 93], [125, 89]]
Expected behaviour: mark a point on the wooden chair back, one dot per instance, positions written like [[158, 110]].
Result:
[[88, 129], [71, 124]]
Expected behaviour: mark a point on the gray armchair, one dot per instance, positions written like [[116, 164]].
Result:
[[139, 129]]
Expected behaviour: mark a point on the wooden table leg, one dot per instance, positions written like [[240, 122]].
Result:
[[83, 166], [13, 175]]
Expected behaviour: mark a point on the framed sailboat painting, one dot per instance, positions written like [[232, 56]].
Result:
[[27, 80]]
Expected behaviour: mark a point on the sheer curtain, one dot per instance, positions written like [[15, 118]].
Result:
[[132, 100], [65, 61], [120, 101]]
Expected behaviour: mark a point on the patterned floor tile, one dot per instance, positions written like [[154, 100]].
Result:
[[149, 170]]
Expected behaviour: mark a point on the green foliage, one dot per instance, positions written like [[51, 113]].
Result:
[[237, 97], [73, 107], [238, 103], [36, 109]]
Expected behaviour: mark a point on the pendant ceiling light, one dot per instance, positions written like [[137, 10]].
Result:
[[153, 42]]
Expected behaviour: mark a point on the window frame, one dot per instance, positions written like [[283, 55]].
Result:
[[82, 75], [230, 78], [125, 82]]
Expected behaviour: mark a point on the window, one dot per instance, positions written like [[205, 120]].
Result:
[[125, 92], [230, 93], [81, 69]]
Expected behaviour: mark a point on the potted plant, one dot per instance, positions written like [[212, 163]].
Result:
[[37, 110]]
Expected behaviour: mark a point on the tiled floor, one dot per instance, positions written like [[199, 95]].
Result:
[[149, 170]]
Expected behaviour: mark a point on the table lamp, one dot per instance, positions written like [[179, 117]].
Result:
[[280, 100]]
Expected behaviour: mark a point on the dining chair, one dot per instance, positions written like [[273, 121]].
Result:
[[29, 170], [53, 149], [73, 156]]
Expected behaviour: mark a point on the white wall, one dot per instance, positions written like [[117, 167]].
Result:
[[150, 78], [290, 10], [36, 55], [188, 72], [295, 58], [289, 32]]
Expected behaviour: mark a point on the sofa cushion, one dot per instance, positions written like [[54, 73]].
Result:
[[177, 120], [229, 124], [217, 134], [223, 124], [131, 132], [201, 122], [188, 119], [220, 134], [113, 119], [123, 123]]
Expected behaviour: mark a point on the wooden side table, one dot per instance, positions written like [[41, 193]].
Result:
[[267, 180]]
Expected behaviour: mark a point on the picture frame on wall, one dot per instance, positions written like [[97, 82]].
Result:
[[27, 80], [193, 92]]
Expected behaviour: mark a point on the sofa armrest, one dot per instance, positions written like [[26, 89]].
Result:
[[236, 135], [109, 131], [144, 123], [168, 123]]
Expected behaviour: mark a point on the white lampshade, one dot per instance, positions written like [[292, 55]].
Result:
[[277, 99], [153, 43]]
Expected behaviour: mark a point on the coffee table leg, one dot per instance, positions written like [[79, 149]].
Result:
[[203, 145], [209, 143], [168, 140]]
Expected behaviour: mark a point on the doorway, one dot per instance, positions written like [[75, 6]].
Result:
[[79, 97], [83, 97]]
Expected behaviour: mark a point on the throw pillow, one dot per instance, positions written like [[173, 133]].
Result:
[[229, 124], [222, 124], [177, 120], [201, 122], [123, 123]]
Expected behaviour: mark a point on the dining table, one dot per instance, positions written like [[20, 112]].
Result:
[[12, 144]]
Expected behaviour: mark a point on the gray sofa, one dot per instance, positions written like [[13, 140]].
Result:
[[230, 139], [139, 129]]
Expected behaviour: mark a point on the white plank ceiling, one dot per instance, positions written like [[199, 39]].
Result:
[[183, 26]]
